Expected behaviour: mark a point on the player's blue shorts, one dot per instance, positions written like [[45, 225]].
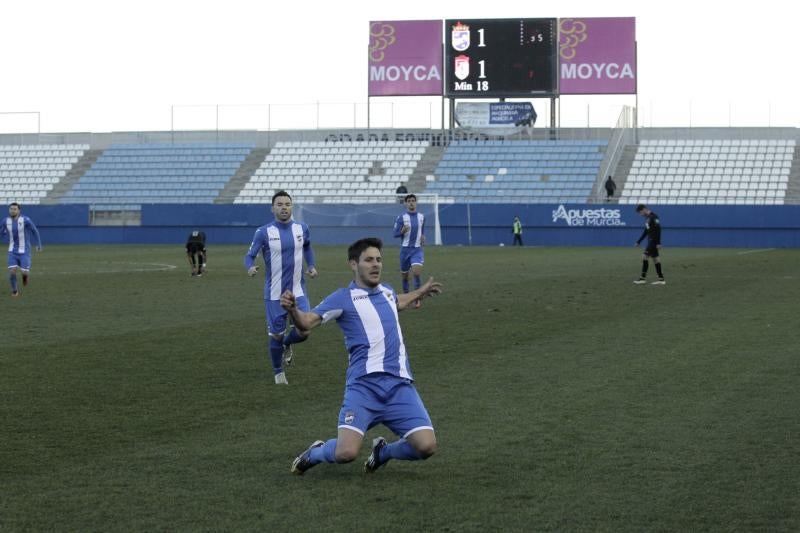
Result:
[[383, 399], [277, 315], [23, 261], [410, 256]]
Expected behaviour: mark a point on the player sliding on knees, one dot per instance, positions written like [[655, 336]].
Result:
[[379, 386]]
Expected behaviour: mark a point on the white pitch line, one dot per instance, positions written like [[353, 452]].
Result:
[[159, 267], [755, 251]]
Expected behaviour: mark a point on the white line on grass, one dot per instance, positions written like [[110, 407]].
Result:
[[755, 251], [159, 267], [143, 267]]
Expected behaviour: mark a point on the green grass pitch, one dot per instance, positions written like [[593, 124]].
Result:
[[133, 397]]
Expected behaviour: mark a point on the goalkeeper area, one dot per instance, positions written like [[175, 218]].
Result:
[[135, 397]]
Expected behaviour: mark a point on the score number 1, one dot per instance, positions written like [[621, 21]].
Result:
[[482, 85]]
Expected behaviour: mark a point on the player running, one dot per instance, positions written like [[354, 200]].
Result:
[[19, 229], [410, 227], [283, 244]]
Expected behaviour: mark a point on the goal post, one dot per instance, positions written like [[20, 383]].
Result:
[[374, 210]]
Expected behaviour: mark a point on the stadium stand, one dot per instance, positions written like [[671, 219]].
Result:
[[29, 172], [710, 172], [518, 171], [128, 175], [365, 170], [123, 175]]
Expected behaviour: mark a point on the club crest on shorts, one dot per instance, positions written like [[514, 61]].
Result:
[[349, 417]]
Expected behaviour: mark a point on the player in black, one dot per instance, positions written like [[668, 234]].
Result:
[[196, 252], [652, 230]]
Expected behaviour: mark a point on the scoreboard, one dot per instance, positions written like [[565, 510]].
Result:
[[498, 58]]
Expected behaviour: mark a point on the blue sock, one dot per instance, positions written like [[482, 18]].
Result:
[[13, 279], [416, 282], [405, 284], [400, 449], [276, 354], [293, 337], [325, 453]]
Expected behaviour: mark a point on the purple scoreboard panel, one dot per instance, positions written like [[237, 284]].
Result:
[[405, 58], [497, 58], [597, 55]]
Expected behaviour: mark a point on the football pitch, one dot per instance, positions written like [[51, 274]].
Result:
[[565, 398]]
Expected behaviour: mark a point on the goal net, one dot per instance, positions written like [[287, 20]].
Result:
[[374, 214]]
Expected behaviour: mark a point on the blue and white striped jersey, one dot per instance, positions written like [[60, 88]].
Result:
[[19, 231], [416, 220], [283, 247], [368, 318]]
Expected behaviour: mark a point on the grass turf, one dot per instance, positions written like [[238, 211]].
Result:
[[564, 397]]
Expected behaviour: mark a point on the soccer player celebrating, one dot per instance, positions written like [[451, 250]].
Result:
[[410, 227], [652, 230], [284, 244], [379, 386], [19, 229], [196, 252]]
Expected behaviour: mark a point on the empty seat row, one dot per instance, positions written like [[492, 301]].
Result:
[[718, 142], [346, 166], [42, 147], [160, 172], [348, 144]]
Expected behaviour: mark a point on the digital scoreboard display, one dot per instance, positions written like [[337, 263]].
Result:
[[498, 58]]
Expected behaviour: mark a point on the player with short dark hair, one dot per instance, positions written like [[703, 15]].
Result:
[[379, 387], [410, 227], [196, 252], [19, 229], [652, 230], [283, 244]]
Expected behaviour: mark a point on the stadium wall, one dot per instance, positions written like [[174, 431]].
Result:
[[461, 224]]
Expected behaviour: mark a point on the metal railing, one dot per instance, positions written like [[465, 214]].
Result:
[[621, 136]]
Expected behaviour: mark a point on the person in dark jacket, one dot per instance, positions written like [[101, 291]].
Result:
[[610, 188], [652, 230]]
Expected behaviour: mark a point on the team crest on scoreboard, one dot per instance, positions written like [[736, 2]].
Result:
[[461, 69], [459, 37]]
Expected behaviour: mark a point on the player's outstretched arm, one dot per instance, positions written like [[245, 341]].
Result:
[[303, 320], [430, 288]]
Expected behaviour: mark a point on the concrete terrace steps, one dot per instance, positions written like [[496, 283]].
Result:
[[621, 172], [72, 176], [243, 174], [418, 180]]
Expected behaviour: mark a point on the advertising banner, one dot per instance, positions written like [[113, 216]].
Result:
[[405, 58], [597, 55], [504, 118]]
